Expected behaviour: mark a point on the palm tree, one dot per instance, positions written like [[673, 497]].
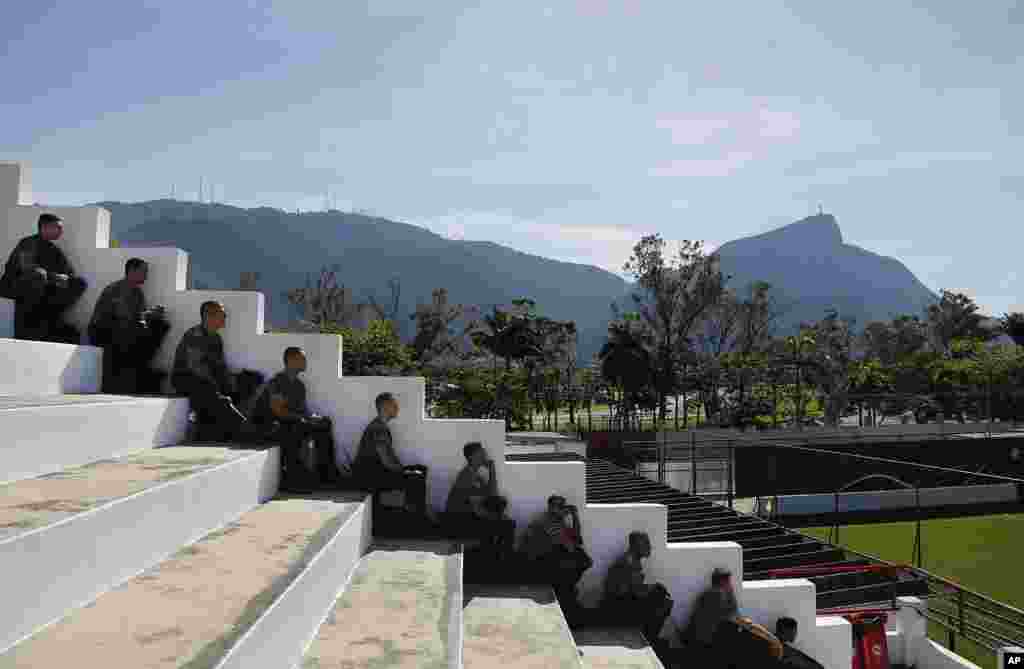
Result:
[[508, 335]]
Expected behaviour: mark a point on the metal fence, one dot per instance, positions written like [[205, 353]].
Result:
[[966, 621]]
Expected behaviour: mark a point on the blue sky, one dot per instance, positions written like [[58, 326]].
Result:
[[567, 129]]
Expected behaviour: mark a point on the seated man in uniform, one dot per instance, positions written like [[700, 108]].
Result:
[[377, 467], [128, 333], [281, 405], [628, 598], [715, 605], [718, 636], [201, 372], [40, 280], [554, 550], [785, 630], [474, 508]]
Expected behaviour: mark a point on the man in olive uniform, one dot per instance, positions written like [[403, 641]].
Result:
[[281, 404], [40, 280], [629, 598], [128, 332], [201, 372], [376, 465]]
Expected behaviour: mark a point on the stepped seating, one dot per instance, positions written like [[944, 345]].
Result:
[[517, 627], [766, 546], [226, 600], [615, 648], [121, 548], [47, 433], [403, 606]]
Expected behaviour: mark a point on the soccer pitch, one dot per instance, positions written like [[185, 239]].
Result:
[[979, 553]]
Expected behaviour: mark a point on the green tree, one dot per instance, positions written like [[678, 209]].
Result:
[[628, 364], [324, 303], [674, 294], [376, 351], [894, 341], [436, 342], [511, 335], [955, 316], [1013, 325]]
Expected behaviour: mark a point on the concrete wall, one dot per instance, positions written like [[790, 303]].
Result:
[[528, 485], [684, 569], [44, 368], [831, 644], [86, 241]]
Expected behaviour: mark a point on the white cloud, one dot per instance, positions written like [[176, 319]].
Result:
[[713, 167]]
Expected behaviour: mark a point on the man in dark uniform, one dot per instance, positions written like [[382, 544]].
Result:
[[377, 467], [128, 332], [628, 598], [474, 508], [553, 547], [281, 405], [40, 280], [715, 606], [201, 373], [785, 630]]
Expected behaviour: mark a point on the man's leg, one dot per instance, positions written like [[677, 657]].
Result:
[[656, 609], [210, 406], [415, 486], [150, 380], [296, 475], [30, 292], [58, 300], [122, 350], [64, 297], [323, 441]]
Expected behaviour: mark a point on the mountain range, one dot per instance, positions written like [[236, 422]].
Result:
[[809, 266], [811, 270]]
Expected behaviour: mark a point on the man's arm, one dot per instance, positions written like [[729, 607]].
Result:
[[63, 266], [281, 408], [24, 258]]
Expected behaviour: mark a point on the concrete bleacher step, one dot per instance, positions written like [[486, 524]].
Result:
[[69, 536], [516, 627], [402, 608], [250, 594], [48, 433], [615, 648], [47, 368]]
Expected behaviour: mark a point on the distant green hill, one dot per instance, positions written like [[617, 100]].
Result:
[[807, 263], [225, 241]]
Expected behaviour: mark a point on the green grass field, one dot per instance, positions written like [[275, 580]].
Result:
[[980, 554]]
